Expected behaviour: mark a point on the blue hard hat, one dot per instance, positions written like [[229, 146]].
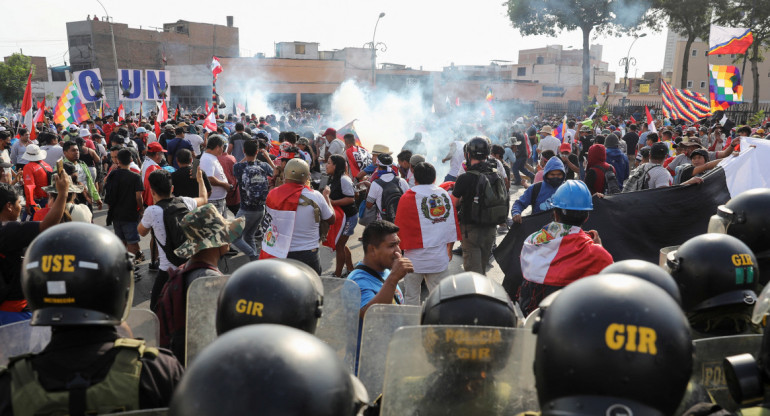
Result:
[[573, 195]]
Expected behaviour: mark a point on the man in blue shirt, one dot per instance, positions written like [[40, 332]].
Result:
[[382, 268]]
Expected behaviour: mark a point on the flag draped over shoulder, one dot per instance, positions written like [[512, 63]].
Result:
[[729, 40], [725, 87], [652, 219], [335, 230], [358, 158], [280, 212], [69, 109], [683, 104], [426, 218], [349, 128]]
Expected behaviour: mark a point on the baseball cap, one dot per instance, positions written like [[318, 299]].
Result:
[[659, 150], [565, 147], [155, 147], [330, 131], [141, 130], [701, 152]]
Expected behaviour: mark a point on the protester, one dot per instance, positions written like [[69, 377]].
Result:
[[174, 145], [183, 178], [90, 195], [617, 158], [50, 143], [332, 145], [5, 147], [36, 175], [342, 196], [428, 226], [123, 193], [18, 149], [252, 177], [521, 160], [570, 161], [538, 196], [216, 174], [547, 141], [236, 141], [455, 157], [233, 198], [151, 163], [386, 189], [596, 169]]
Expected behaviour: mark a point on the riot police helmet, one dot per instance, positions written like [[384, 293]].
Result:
[[78, 274], [745, 217], [270, 291], [648, 271], [468, 299]]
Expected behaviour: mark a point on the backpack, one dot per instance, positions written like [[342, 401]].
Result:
[[391, 194], [174, 209], [638, 180], [683, 173], [490, 205], [611, 185], [48, 173], [171, 308]]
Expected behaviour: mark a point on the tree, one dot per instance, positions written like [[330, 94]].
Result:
[[754, 14], [13, 78], [690, 18], [547, 17]]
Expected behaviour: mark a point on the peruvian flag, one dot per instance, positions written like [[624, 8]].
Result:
[[161, 117], [38, 118], [280, 211], [121, 113], [335, 230], [559, 254], [358, 158], [650, 122], [216, 67], [26, 104], [632, 119], [426, 218], [210, 122]]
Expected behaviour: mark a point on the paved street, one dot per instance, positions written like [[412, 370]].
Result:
[[230, 264]]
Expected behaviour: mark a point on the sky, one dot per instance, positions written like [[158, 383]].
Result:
[[430, 34]]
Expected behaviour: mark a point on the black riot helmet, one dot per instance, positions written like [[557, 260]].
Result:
[[629, 349], [478, 148], [270, 291], [745, 217], [650, 272], [268, 369], [78, 274], [714, 270], [468, 299]]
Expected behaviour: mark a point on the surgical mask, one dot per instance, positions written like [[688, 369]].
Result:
[[554, 182]]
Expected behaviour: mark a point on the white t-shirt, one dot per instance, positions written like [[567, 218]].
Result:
[[151, 138], [336, 147], [196, 142], [153, 218], [305, 235], [429, 259], [346, 185], [375, 191], [210, 164], [570, 136], [146, 165], [4, 156], [458, 157], [659, 176], [549, 143], [53, 154]]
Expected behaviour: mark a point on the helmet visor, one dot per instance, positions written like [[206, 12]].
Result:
[[762, 308], [719, 222]]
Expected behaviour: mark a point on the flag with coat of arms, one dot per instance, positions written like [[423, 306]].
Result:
[[426, 218]]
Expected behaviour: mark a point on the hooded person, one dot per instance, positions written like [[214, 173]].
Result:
[[539, 195], [617, 158], [595, 168]]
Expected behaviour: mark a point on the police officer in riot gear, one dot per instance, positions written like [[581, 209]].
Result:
[[648, 271], [78, 279], [718, 278], [271, 370], [745, 217], [629, 349], [270, 291]]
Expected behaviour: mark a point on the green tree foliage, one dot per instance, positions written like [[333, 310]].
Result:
[[13, 78], [689, 18], [754, 14], [548, 17]]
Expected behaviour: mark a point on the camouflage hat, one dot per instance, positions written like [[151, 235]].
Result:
[[73, 189], [585, 129], [205, 228]]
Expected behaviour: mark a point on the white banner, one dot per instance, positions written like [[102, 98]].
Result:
[[158, 85], [89, 84], [131, 84]]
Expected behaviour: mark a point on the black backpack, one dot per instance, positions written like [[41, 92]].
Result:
[[391, 194], [611, 185], [48, 173], [174, 209], [639, 179], [491, 203]]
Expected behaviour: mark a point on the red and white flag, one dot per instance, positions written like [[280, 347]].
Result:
[[559, 254], [38, 118], [426, 218], [121, 113], [632, 119], [358, 158], [161, 117], [26, 104], [216, 67], [650, 122], [210, 122], [335, 230], [280, 212]]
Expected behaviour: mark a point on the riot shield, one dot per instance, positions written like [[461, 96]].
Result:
[[707, 366], [520, 318], [380, 322], [201, 327], [338, 325], [146, 412], [459, 370], [531, 318], [145, 325], [21, 338]]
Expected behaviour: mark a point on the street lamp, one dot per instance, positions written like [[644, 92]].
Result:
[[628, 60], [376, 45], [114, 53]]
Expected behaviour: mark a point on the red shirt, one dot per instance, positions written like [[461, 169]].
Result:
[[35, 178], [147, 194]]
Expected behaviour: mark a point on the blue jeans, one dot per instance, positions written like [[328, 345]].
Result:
[[450, 178], [247, 242], [41, 203], [518, 166]]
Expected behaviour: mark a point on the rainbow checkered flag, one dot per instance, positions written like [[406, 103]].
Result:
[[69, 109], [725, 87]]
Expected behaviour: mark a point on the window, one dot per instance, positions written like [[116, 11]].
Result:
[[58, 76], [689, 84], [540, 60], [299, 49], [520, 72], [694, 52], [703, 84]]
